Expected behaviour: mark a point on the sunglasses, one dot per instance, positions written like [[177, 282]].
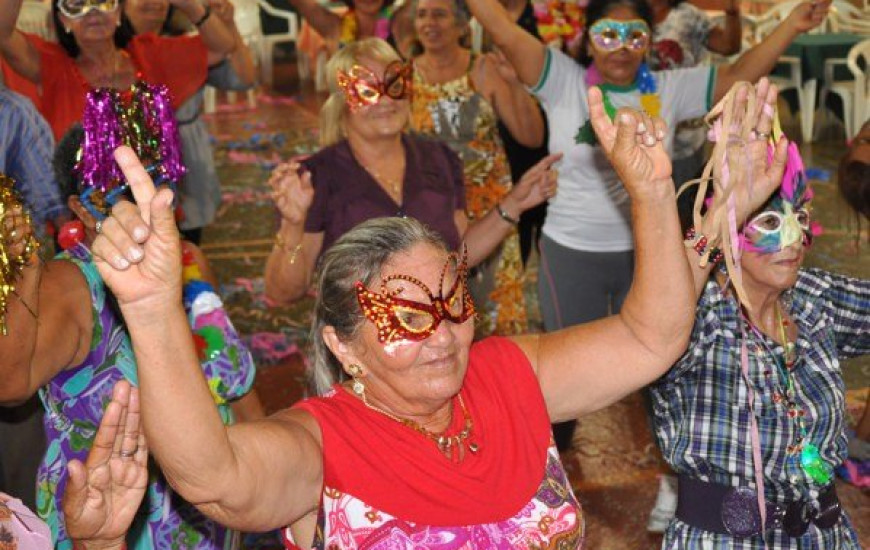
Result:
[[363, 88], [398, 319], [76, 9], [610, 35]]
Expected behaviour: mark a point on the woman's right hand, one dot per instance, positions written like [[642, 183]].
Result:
[[16, 232], [138, 251], [103, 494], [292, 193]]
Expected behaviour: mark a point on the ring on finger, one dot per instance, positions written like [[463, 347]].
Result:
[[127, 454], [98, 227], [762, 136]]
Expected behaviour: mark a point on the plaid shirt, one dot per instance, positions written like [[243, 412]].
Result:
[[702, 410]]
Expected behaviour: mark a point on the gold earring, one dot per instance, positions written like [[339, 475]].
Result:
[[355, 372]]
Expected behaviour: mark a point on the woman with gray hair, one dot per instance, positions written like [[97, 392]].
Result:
[[423, 438], [370, 168]]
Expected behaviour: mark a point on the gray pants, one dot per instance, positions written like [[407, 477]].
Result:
[[576, 286]]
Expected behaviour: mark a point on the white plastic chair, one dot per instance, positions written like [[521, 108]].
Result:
[[854, 93], [269, 41], [35, 18], [845, 17], [247, 19]]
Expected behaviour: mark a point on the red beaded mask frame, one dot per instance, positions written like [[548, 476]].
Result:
[[399, 319], [362, 87]]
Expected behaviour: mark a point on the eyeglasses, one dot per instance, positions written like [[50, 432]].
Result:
[[76, 9], [610, 35], [398, 319], [362, 87]]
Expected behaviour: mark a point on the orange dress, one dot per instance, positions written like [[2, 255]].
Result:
[[179, 63], [457, 114]]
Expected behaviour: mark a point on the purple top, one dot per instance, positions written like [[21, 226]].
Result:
[[345, 194]]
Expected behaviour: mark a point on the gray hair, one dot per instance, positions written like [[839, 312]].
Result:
[[359, 255], [463, 18]]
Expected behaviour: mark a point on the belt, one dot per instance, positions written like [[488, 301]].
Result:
[[734, 511]]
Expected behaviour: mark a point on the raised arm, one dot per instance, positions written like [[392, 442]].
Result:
[[48, 320], [326, 23], [253, 476], [291, 263], [21, 55], [484, 235], [217, 38], [727, 40], [760, 60], [587, 367], [753, 174], [240, 59], [498, 81], [525, 52]]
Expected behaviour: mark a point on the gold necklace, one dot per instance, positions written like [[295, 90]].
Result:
[[393, 186], [787, 345], [452, 446]]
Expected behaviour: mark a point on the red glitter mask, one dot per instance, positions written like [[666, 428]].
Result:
[[362, 87], [399, 319]]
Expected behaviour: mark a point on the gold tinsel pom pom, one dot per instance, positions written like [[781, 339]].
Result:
[[11, 266]]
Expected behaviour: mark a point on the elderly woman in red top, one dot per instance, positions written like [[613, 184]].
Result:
[[421, 437], [97, 49]]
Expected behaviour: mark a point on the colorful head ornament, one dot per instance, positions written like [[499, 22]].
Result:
[[610, 35], [141, 118], [398, 319], [363, 88], [11, 266], [785, 219], [76, 9]]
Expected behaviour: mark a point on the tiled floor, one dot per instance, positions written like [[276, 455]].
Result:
[[614, 464]]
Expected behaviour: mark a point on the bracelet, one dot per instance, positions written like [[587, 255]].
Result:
[[204, 17], [282, 244], [698, 243], [505, 216]]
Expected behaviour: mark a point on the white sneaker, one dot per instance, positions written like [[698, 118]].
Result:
[[666, 505]]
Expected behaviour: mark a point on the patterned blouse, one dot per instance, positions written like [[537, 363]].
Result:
[[74, 401], [458, 115], [701, 406]]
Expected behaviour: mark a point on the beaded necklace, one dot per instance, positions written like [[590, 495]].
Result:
[[810, 459], [644, 81], [452, 446]]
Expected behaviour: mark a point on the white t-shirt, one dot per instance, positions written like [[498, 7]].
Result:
[[591, 210]]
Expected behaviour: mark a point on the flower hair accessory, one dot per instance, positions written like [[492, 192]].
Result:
[[398, 319]]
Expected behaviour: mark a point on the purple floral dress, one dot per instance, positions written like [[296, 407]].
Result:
[[75, 399]]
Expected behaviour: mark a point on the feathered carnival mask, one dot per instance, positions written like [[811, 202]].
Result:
[[142, 118], [785, 219]]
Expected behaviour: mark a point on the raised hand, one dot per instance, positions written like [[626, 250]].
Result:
[[753, 174], [537, 185], [15, 231], [291, 192], [503, 67], [634, 145], [809, 15], [224, 10], [138, 251], [103, 494]]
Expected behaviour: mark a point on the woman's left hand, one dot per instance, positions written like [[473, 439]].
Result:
[[634, 145], [809, 15], [503, 67], [103, 494], [537, 185]]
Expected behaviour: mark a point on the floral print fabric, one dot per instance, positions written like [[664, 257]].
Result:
[[74, 402], [462, 118], [552, 519]]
